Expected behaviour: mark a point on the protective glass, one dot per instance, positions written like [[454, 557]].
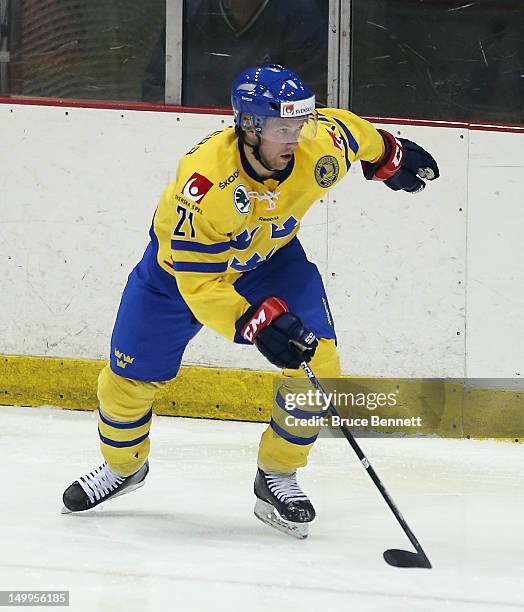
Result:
[[282, 129], [288, 130]]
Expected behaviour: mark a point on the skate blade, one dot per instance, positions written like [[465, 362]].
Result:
[[100, 504], [268, 514]]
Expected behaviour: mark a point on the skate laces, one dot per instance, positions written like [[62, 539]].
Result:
[[100, 482], [285, 487]]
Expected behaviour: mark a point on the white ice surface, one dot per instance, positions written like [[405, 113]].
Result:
[[188, 539]]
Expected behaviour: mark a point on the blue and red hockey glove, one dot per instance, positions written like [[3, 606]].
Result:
[[403, 166], [277, 333]]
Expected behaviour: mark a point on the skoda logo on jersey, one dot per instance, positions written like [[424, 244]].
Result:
[[230, 179], [326, 171], [241, 199], [196, 187]]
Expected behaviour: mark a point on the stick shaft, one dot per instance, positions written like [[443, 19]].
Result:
[[365, 462]]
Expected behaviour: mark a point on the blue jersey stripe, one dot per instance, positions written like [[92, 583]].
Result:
[[346, 154], [195, 266], [290, 438], [125, 444], [198, 247], [353, 144], [129, 425]]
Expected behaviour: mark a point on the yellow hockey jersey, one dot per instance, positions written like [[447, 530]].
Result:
[[218, 219]]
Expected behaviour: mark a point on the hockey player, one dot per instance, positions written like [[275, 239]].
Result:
[[224, 253]]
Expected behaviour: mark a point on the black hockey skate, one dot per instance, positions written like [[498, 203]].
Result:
[[99, 486], [282, 504]]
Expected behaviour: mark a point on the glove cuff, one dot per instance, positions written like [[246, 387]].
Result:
[[390, 162], [257, 318]]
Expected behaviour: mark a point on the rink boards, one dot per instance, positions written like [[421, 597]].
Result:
[[420, 286]]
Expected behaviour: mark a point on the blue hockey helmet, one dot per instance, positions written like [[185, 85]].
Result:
[[273, 91]]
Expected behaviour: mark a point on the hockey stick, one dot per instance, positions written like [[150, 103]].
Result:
[[393, 556]]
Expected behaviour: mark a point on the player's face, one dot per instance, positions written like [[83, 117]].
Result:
[[279, 141], [277, 155]]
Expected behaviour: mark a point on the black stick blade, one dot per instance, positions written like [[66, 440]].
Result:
[[405, 558]]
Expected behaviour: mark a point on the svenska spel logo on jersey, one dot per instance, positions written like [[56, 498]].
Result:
[[241, 199], [196, 187], [326, 171]]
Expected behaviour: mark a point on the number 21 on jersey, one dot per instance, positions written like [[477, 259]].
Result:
[[185, 220]]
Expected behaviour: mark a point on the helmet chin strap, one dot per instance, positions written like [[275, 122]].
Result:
[[258, 156]]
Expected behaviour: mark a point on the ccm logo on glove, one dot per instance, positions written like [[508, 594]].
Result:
[[392, 158], [278, 334], [267, 312]]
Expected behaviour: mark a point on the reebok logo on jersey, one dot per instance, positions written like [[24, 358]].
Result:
[[196, 187]]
